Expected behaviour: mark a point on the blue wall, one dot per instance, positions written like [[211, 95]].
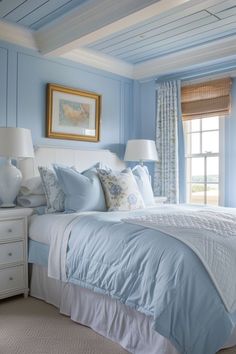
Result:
[[24, 75], [128, 107]]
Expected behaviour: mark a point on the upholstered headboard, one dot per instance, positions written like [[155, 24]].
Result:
[[81, 159]]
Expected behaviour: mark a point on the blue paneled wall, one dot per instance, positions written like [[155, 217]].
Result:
[[128, 107], [24, 75]]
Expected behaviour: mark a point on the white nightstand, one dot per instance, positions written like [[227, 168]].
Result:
[[13, 251], [160, 200]]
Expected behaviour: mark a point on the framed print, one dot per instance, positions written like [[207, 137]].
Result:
[[72, 114]]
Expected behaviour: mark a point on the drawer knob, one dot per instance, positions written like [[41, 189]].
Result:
[[9, 230], [9, 254], [10, 278]]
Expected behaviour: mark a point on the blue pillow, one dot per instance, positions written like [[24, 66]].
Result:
[[83, 191], [142, 177]]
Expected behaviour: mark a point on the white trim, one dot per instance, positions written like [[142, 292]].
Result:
[[100, 61], [17, 34], [173, 63], [222, 161]]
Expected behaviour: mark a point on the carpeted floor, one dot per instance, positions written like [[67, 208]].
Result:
[[30, 326]]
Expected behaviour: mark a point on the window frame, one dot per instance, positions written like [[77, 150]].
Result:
[[220, 155]]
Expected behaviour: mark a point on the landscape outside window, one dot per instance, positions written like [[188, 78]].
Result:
[[202, 160]]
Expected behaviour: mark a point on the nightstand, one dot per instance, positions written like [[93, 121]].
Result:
[[160, 200], [13, 251]]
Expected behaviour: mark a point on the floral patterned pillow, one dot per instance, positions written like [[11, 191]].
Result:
[[54, 194], [121, 190]]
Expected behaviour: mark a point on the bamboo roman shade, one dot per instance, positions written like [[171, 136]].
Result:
[[206, 99]]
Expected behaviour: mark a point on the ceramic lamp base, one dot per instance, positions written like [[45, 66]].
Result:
[[10, 181]]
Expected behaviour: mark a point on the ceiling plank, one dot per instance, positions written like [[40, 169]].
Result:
[[156, 39], [24, 9], [226, 4], [145, 32], [94, 22], [193, 37], [7, 6], [49, 12]]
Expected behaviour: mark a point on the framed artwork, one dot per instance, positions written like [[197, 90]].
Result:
[[72, 114]]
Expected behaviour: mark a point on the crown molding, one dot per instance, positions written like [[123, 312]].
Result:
[[17, 35], [100, 61], [220, 50]]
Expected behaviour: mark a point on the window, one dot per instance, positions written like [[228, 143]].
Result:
[[204, 106], [203, 159]]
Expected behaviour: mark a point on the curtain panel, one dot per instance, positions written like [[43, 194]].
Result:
[[169, 174]]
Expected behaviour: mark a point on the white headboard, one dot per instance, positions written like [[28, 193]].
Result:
[[81, 159]]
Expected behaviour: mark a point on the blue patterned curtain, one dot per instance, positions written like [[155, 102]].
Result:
[[169, 181]]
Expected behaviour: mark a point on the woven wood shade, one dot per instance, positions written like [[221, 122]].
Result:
[[206, 99]]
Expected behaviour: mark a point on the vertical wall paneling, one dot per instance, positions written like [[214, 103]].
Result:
[[122, 119], [230, 153], [128, 108], [24, 76], [12, 88], [135, 126], [148, 110], [3, 87]]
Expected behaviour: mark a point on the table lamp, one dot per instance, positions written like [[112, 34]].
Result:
[[14, 143], [141, 150]]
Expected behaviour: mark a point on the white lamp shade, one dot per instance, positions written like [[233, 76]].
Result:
[[141, 150], [16, 142]]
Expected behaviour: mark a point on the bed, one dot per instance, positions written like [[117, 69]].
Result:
[[87, 291]]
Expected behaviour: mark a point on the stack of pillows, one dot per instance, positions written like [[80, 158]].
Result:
[[98, 188]]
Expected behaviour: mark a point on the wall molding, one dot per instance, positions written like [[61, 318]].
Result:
[[219, 51], [100, 61]]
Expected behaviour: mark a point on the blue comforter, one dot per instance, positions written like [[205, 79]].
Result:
[[153, 273]]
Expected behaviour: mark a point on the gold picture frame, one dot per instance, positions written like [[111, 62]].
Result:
[[72, 114]]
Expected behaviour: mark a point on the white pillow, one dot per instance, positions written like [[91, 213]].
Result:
[[121, 190], [142, 177], [32, 186], [54, 193], [31, 201]]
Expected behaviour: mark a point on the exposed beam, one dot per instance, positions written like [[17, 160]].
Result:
[[90, 22], [17, 34]]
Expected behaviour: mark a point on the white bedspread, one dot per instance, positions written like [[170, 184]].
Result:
[[211, 235]]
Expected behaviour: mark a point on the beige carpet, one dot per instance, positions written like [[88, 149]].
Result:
[[29, 326]]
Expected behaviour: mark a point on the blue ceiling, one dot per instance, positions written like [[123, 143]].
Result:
[[35, 13], [171, 32], [174, 32]]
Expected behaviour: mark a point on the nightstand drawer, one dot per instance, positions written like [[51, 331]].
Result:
[[12, 278], [10, 229], [11, 252]]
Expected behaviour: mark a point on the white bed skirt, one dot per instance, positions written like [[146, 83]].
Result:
[[131, 329]]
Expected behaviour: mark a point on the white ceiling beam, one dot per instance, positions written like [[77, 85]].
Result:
[[17, 35], [86, 25], [217, 51]]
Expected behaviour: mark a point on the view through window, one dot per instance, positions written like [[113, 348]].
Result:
[[202, 138]]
